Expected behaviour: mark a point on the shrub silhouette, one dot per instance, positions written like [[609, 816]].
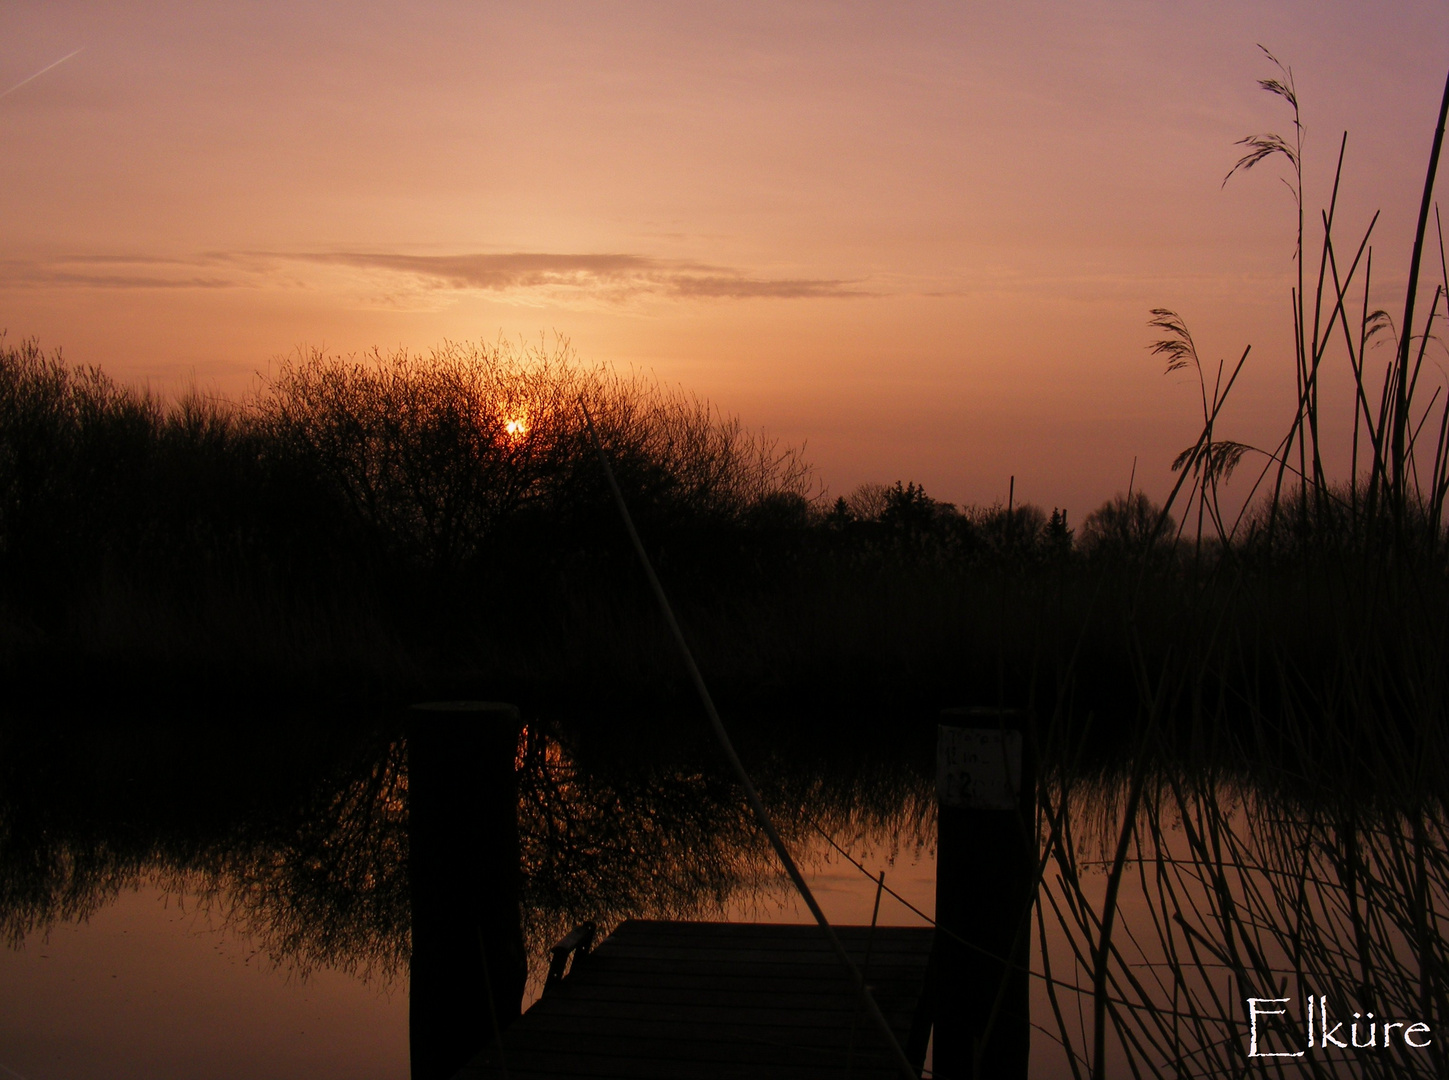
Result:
[[1018, 530], [356, 477], [867, 502], [1126, 524]]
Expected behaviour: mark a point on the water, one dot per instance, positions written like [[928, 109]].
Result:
[[148, 987], [181, 904]]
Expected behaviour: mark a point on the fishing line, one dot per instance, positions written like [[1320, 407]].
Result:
[[722, 736]]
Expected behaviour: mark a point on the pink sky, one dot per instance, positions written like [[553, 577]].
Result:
[[922, 237]]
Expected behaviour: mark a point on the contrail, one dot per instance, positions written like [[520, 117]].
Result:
[[39, 73]]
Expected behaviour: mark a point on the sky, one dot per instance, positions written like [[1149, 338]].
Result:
[[923, 239]]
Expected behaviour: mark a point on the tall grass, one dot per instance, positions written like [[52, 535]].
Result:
[[1399, 469], [1277, 822]]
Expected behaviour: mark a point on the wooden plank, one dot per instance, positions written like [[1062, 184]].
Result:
[[749, 958], [782, 994], [718, 1001], [613, 966], [729, 1058], [755, 955], [898, 1011], [892, 1005], [599, 1067], [644, 1000], [806, 937], [760, 955], [741, 1009], [715, 1041], [825, 979], [811, 936], [802, 944], [655, 927], [602, 1068], [685, 982], [723, 1044]]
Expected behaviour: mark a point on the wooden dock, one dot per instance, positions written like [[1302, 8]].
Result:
[[717, 1001]]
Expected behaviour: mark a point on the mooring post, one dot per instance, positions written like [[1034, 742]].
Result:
[[463, 870], [985, 880]]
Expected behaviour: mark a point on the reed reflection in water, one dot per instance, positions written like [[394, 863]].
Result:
[[1225, 892]]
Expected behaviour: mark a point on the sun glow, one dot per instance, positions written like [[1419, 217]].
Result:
[[517, 428]]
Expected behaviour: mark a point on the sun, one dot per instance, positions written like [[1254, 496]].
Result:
[[516, 428]]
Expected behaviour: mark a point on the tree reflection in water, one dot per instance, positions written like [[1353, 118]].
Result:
[[305, 853], [614, 840]]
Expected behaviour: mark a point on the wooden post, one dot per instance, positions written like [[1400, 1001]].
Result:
[[985, 879], [463, 870]]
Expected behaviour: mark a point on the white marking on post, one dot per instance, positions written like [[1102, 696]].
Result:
[[978, 768]]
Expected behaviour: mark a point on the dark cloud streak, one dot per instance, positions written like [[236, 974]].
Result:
[[612, 273], [611, 277], [39, 275]]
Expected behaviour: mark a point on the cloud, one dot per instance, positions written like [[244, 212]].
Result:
[[613, 275], [743, 288], [124, 272], [400, 279], [500, 273]]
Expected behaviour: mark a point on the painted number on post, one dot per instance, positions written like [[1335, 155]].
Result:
[[978, 768]]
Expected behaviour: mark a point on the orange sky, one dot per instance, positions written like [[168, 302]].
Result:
[[923, 237]]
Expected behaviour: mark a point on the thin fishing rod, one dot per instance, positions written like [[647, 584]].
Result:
[[762, 816]]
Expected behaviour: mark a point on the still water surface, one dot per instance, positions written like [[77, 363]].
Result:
[[192, 912], [148, 987]]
